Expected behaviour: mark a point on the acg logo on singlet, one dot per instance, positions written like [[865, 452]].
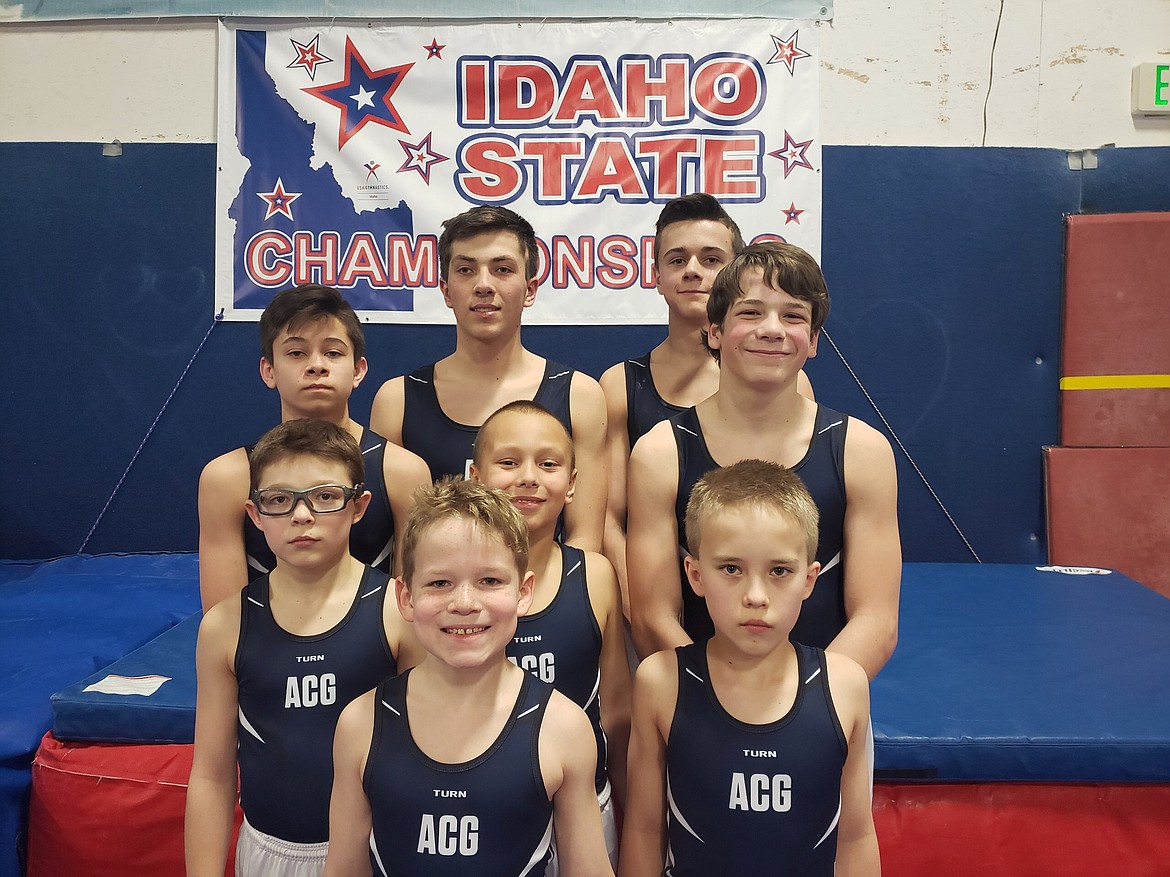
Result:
[[448, 835], [542, 666], [760, 792], [311, 690]]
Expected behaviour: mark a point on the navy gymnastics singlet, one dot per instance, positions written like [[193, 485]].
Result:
[[371, 540], [753, 799], [645, 407], [291, 691], [488, 817], [447, 446], [561, 645], [823, 472]]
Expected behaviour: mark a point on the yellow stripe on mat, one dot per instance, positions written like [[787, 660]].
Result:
[[1116, 382]]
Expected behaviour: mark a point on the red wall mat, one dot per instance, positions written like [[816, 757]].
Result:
[[1110, 507], [1116, 328], [108, 810], [1022, 830]]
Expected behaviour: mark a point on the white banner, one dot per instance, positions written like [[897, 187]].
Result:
[[342, 147]]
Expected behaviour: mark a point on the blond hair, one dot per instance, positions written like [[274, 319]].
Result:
[[754, 484], [490, 510], [520, 406]]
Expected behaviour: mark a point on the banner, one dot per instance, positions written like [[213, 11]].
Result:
[[343, 147]]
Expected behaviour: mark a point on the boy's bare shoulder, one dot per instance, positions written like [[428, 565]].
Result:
[[848, 683], [226, 470], [220, 627]]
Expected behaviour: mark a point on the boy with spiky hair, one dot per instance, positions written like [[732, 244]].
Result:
[[488, 263], [466, 764], [759, 740], [277, 663], [764, 317], [312, 352]]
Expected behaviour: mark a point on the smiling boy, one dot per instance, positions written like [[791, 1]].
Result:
[[488, 263], [464, 764], [571, 635], [765, 313], [694, 238]]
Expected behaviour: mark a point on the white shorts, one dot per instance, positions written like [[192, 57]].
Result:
[[262, 855], [608, 831]]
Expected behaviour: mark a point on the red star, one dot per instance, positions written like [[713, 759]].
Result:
[[434, 50], [792, 214], [279, 201], [787, 52], [308, 57]]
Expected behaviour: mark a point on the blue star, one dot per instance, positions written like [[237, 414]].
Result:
[[434, 50], [792, 214], [363, 95], [792, 154]]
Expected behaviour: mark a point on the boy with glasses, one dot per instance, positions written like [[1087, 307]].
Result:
[[277, 665]]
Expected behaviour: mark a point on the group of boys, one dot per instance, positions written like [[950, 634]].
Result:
[[530, 518]]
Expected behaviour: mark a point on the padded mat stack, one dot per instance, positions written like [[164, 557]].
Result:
[[1022, 727], [62, 620], [1108, 485]]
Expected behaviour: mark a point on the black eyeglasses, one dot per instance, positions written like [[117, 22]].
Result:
[[325, 498]]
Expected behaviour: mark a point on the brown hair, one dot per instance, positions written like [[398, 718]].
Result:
[[293, 308], [785, 266], [306, 438], [488, 218], [694, 208]]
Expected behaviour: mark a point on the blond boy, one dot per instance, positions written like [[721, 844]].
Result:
[[747, 754]]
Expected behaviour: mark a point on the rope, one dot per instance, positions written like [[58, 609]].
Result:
[[218, 317], [890, 430]]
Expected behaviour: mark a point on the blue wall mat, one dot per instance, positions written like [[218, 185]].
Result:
[[944, 266]]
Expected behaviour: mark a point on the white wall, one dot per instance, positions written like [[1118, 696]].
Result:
[[908, 73]]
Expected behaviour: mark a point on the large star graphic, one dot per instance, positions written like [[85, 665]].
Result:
[[279, 201], [363, 95], [792, 214], [792, 154], [420, 157], [434, 50], [309, 56], [787, 52]]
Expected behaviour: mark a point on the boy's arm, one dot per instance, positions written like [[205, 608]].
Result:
[[402, 473], [857, 846], [223, 565], [617, 444], [349, 809], [212, 788], [652, 541], [585, 515], [615, 669], [873, 552], [387, 409], [644, 828], [568, 762]]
